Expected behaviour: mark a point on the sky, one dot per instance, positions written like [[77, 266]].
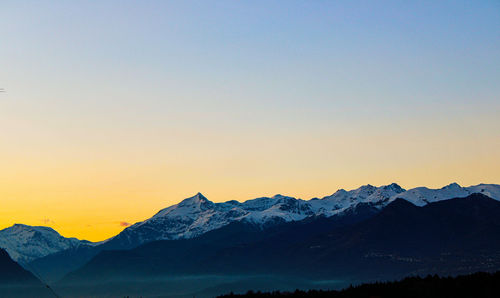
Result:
[[113, 110]]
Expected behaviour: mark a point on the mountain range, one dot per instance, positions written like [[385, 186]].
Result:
[[278, 224], [449, 237], [197, 215], [459, 235]]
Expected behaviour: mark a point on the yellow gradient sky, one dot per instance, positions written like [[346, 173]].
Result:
[[115, 110]]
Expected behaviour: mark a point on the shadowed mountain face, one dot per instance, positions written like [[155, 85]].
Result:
[[13, 273], [17, 282], [449, 237]]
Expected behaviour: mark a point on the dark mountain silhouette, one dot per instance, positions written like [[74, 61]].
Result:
[[448, 237], [13, 273], [53, 267], [15, 281]]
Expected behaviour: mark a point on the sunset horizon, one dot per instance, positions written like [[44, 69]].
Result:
[[105, 124], [116, 115], [117, 226]]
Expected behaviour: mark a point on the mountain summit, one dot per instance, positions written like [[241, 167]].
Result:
[[197, 202]]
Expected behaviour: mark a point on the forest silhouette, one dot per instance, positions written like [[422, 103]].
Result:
[[484, 285]]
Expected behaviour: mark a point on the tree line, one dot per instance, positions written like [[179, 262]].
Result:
[[479, 285]]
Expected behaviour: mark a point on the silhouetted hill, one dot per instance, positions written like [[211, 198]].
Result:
[[53, 267], [18, 282], [13, 273]]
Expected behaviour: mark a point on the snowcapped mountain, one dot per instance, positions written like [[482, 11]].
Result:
[[197, 215], [342, 200], [421, 196], [25, 243]]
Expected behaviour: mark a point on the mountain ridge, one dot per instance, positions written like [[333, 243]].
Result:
[[403, 239], [197, 215]]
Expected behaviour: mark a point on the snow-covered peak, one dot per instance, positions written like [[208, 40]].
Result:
[[191, 205], [365, 188], [422, 195], [22, 228], [264, 203], [393, 187], [280, 197], [276, 208], [452, 185], [197, 201], [25, 243], [194, 200], [339, 192], [490, 190], [341, 200]]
